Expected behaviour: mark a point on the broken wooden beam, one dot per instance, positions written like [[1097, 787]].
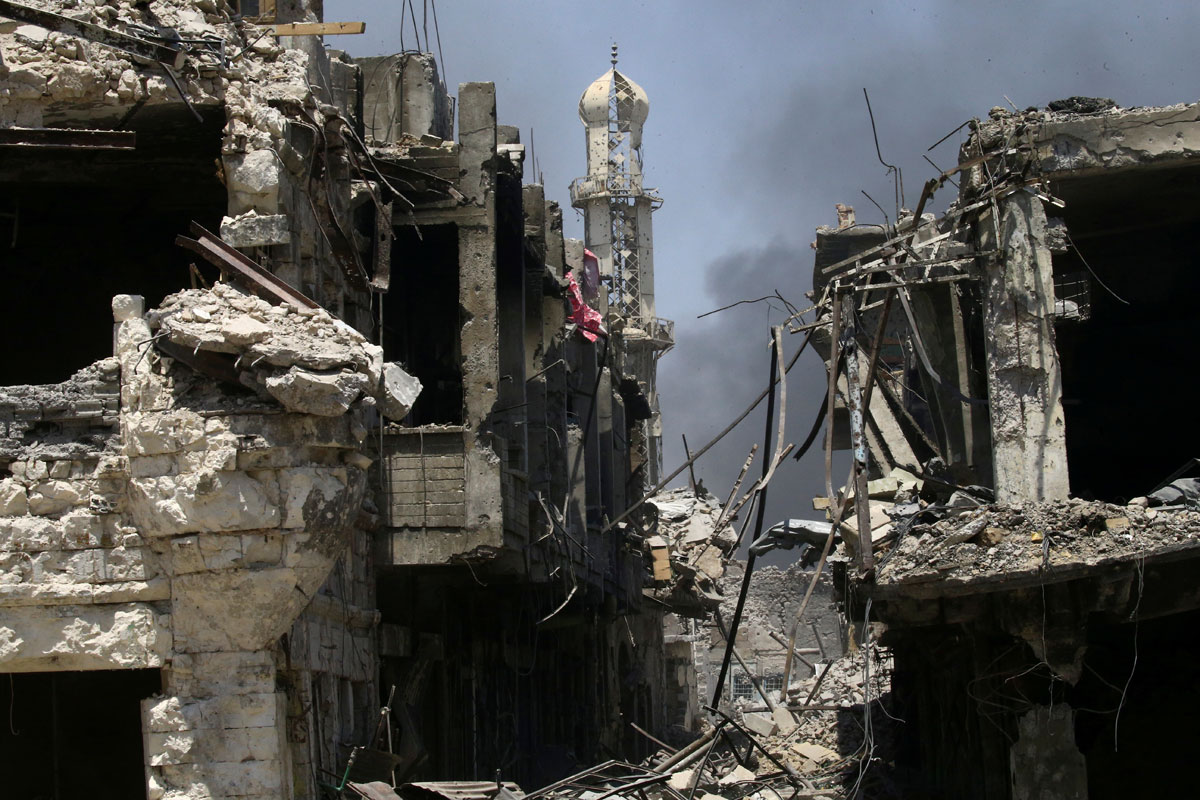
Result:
[[318, 28]]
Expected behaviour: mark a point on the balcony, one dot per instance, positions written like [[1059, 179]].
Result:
[[619, 184]]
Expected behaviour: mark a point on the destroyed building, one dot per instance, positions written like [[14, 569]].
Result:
[[351, 441], [1002, 364]]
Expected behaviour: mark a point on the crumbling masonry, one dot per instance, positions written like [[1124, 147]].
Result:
[[1032, 517], [366, 469]]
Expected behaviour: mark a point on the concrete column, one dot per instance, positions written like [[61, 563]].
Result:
[[481, 373], [1045, 761], [477, 296], [536, 354], [477, 135], [220, 731], [553, 318], [1029, 454]]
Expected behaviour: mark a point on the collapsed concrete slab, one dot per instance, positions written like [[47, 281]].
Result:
[[306, 359]]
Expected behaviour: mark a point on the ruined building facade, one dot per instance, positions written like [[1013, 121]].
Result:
[[367, 468], [1004, 363]]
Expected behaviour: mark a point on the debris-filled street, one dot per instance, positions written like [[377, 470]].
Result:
[[344, 452]]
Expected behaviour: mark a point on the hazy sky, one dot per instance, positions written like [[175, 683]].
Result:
[[757, 127]]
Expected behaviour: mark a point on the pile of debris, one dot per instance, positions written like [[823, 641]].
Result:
[[690, 546], [822, 751], [963, 541], [303, 358]]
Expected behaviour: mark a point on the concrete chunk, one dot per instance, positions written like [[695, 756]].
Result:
[[398, 391], [255, 230]]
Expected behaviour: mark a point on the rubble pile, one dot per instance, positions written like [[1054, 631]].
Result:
[[821, 733], [993, 539], [47, 67], [306, 359], [690, 549], [821, 751]]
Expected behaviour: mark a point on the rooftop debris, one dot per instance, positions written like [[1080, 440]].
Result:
[[689, 549], [304, 358], [1050, 541]]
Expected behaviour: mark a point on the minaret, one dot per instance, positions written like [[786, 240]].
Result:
[[617, 209]]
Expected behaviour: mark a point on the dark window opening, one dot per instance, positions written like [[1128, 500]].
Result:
[[1125, 362], [74, 734], [422, 323], [77, 227]]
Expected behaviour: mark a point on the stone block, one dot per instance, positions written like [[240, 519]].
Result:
[[29, 534], [129, 636], [127, 564], [314, 498], [323, 394], [261, 548], [207, 501], [211, 674], [186, 556], [230, 779], [128, 306], [256, 230], [215, 458], [252, 710], [175, 747], [220, 551], [209, 608], [152, 466], [784, 721], [153, 590], [81, 530], [398, 392], [159, 432], [53, 497], [761, 723], [253, 181]]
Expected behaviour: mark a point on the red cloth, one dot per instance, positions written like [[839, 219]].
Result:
[[584, 316]]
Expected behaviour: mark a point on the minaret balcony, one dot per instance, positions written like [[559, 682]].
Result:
[[619, 184]]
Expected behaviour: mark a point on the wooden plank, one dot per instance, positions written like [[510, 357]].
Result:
[[318, 28], [661, 558]]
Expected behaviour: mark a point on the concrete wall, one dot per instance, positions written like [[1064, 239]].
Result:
[[404, 94]]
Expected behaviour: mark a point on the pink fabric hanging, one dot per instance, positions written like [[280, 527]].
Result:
[[586, 318]]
